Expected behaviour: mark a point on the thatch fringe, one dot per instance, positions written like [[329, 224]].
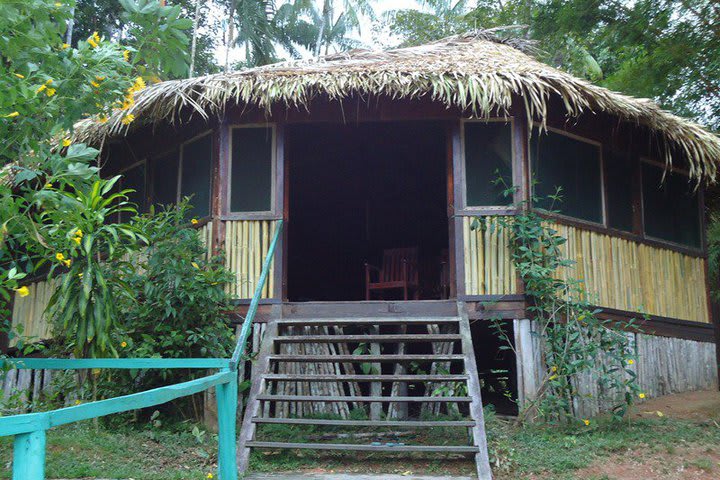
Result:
[[475, 72]]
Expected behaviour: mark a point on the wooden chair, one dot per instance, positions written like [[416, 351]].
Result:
[[399, 270]]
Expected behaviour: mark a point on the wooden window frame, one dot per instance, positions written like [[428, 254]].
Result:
[[471, 210], [181, 152], [275, 187], [603, 194], [700, 203]]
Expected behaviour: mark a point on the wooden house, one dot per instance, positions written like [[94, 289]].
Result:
[[364, 153]]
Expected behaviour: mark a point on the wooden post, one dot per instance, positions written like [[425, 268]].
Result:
[[375, 387], [226, 394], [29, 456]]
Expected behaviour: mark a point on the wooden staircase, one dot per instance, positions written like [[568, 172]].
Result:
[[371, 363]]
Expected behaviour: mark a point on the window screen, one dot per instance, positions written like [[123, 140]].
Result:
[[196, 171], [573, 165], [670, 207], [251, 186], [134, 179], [164, 179], [488, 154], [620, 176]]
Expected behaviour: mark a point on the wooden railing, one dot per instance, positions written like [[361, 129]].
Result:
[[30, 429]]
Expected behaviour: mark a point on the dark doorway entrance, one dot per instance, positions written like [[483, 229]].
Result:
[[356, 191]]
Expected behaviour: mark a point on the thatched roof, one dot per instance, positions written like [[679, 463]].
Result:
[[476, 72]]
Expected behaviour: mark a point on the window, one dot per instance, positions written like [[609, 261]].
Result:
[[488, 154], [165, 179], [134, 178], [574, 166], [196, 175], [620, 173], [251, 169], [671, 209]]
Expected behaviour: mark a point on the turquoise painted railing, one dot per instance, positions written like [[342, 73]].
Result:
[[30, 429]]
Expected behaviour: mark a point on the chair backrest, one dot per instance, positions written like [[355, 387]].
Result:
[[393, 263]]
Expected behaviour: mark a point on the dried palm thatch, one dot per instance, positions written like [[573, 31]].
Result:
[[476, 71]]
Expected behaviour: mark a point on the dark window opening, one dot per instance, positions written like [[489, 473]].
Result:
[[620, 171], [357, 191], [573, 166], [496, 365], [196, 175], [251, 170], [488, 157], [165, 179], [671, 209], [134, 179]]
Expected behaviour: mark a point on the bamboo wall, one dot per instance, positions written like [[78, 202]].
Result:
[[631, 276], [489, 269], [29, 311], [617, 273], [246, 245]]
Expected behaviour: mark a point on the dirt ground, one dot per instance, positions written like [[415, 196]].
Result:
[[681, 463]]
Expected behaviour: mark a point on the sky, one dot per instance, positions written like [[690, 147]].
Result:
[[365, 36]]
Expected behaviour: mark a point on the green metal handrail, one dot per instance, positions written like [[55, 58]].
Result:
[[30, 429]]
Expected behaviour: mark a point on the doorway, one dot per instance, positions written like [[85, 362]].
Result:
[[357, 191]]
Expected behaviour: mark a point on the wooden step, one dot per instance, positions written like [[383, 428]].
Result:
[[358, 398], [372, 308], [366, 423], [365, 358], [308, 322], [367, 338], [367, 448], [285, 377]]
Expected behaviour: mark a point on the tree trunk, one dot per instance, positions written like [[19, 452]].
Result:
[[70, 26], [230, 32], [193, 48]]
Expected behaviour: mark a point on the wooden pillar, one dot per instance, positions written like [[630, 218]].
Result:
[[29, 456], [227, 394], [221, 181], [375, 387]]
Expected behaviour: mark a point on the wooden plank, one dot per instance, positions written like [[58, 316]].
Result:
[[367, 321], [116, 363], [366, 423], [365, 338], [476, 409], [365, 358], [364, 378], [367, 448], [361, 398], [29, 456]]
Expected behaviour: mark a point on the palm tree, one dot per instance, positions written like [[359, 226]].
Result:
[[348, 20]]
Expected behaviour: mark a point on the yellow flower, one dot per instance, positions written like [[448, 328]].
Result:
[[554, 369], [80, 275], [128, 119], [60, 257], [102, 119], [58, 4], [23, 291], [95, 84], [126, 55], [92, 42], [641, 395], [194, 221], [128, 102], [66, 142], [77, 240], [123, 344], [139, 84], [50, 92], [68, 262], [209, 475], [96, 37], [40, 88], [586, 422], [48, 185], [630, 361], [11, 115], [99, 78], [77, 402], [78, 233], [19, 75], [552, 377], [96, 371], [660, 414], [65, 46], [49, 81], [195, 265]]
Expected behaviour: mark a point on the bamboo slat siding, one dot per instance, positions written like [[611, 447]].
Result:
[[206, 237], [631, 276], [488, 267], [30, 311], [246, 245]]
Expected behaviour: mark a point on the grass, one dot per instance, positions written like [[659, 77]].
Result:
[[172, 453]]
